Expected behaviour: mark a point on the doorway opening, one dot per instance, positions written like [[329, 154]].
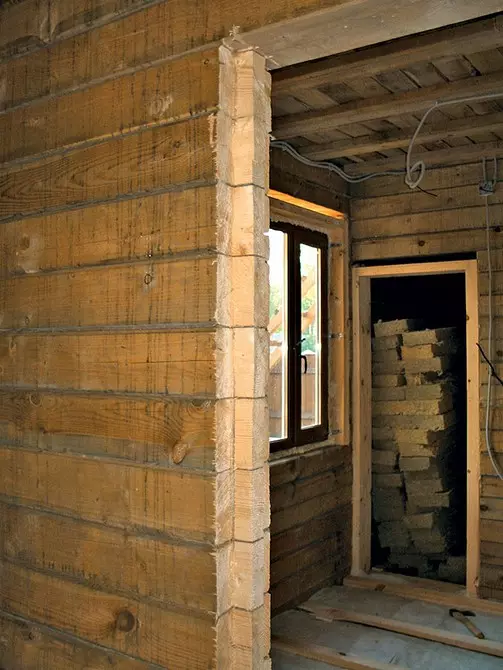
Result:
[[419, 455], [416, 455]]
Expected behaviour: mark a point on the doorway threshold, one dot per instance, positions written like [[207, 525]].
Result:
[[426, 590]]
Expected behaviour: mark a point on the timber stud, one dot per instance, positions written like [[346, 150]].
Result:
[[125, 621]]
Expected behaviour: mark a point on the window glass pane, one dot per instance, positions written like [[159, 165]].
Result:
[[310, 364], [278, 335]]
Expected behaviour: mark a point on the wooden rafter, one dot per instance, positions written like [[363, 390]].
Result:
[[479, 35], [398, 139], [448, 156], [384, 106]]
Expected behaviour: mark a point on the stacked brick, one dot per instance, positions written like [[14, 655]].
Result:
[[414, 434]]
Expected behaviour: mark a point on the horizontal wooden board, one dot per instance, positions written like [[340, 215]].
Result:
[[110, 493], [164, 157], [425, 244], [288, 566], [29, 646], [312, 508], [94, 615], [176, 291], [130, 230], [492, 487], [159, 95], [109, 559], [153, 430], [336, 522], [435, 178], [296, 492], [416, 202], [145, 362], [307, 465], [421, 223], [491, 508], [291, 592], [23, 27]]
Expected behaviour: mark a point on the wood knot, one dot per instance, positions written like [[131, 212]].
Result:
[[125, 621], [179, 452], [148, 279], [24, 243], [35, 399]]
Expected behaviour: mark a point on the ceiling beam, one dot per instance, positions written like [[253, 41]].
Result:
[[385, 106], [480, 35], [326, 27], [399, 139], [451, 156]]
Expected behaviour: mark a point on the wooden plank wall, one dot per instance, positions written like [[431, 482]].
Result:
[[110, 401], [390, 222], [310, 524], [311, 492]]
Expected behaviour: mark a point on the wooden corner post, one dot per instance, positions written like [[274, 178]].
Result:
[[242, 362]]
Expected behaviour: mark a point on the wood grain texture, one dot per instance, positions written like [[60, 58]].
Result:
[[109, 559], [151, 97], [142, 430], [29, 646], [148, 362], [152, 227], [121, 495], [180, 291], [155, 634], [155, 159]]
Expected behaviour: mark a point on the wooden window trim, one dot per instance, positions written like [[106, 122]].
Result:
[[298, 436], [285, 209]]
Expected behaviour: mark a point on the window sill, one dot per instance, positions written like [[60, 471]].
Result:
[[294, 452]]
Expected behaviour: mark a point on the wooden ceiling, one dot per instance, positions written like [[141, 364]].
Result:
[[360, 109]]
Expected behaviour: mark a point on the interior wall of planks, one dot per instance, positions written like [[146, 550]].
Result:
[[390, 222], [134, 499], [311, 492]]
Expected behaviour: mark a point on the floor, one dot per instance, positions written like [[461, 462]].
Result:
[[364, 646]]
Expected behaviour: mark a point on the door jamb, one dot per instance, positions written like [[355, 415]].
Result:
[[362, 398]]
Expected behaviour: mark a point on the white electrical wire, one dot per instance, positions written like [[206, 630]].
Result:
[[489, 448], [420, 166], [331, 167]]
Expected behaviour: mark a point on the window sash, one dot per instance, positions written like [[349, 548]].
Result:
[[296, 435]]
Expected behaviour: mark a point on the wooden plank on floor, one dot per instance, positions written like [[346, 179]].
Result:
[[430, 591], [469, 643], [326, 655]]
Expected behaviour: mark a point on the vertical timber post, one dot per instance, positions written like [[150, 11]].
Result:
[[242, 361]]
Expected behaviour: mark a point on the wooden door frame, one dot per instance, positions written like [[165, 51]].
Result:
[[362, 409]]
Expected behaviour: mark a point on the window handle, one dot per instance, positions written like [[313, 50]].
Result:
[[304, 358]]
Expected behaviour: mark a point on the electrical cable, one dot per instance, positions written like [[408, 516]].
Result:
[[331, 167], [419, 166], [489, 188]]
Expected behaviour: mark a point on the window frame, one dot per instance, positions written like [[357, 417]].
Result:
[[296, 435]]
